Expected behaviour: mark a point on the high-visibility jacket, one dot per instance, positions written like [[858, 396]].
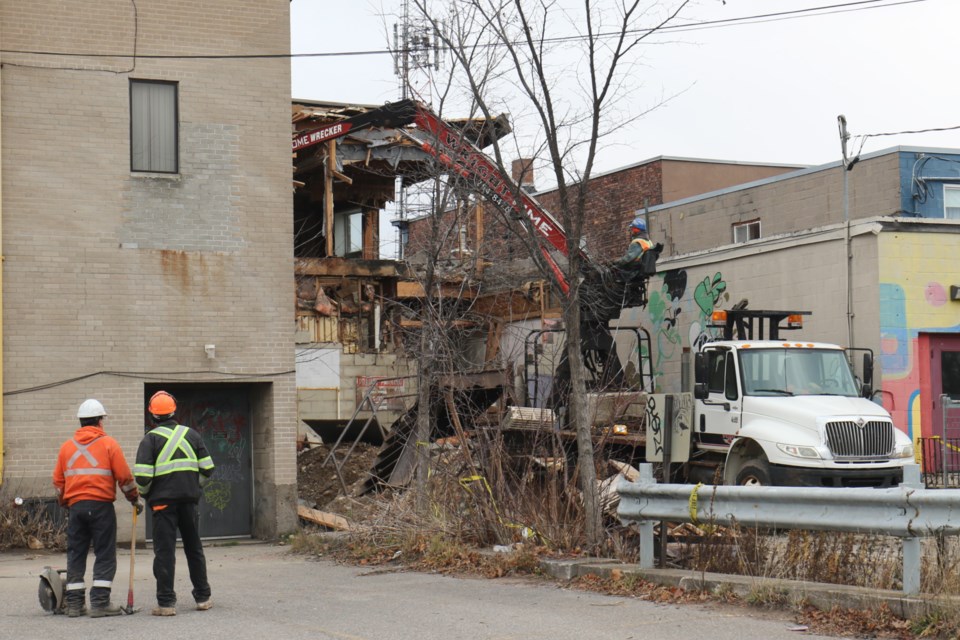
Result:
[[90, 466], [635, 251], [170, 460]]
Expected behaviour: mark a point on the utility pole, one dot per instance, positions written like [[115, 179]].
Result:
[[847, 244]]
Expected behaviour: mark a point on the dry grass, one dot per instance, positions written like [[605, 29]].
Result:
[[493, 499], [29, 526], [859, 560]]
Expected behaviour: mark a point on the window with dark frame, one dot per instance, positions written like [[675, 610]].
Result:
[[717, 367], [746, 231], [154, 125], [731, 392]]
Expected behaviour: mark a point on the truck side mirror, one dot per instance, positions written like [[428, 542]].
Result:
[[866, 388], [700, 368], [701, 391]]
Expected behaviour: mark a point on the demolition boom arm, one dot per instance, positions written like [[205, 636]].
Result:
[[462, 158]]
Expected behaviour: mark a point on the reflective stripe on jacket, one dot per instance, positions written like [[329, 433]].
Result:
[[169, 460], [89, 467], [643, 244]]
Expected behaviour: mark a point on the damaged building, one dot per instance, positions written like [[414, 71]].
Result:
[[354, 309]]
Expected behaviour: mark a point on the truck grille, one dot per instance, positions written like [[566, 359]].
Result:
[[848, 440]]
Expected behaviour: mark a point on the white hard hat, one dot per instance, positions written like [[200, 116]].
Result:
[[91, 409]]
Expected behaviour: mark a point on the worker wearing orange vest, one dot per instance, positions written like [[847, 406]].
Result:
[[639, 244], [88, 470], [170, 461]]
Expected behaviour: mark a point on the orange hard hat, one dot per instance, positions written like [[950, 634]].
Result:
[[162, 404]]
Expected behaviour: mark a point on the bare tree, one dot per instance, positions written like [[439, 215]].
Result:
[[568, 69]]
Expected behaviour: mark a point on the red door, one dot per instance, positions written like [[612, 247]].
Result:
[[945, 380]]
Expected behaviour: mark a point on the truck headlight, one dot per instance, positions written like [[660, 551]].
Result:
[[904, 451], [798, 451]]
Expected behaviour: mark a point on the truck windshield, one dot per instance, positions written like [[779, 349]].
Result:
[[796, 372]]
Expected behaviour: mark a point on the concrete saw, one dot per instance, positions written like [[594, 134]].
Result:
[[51, 591]]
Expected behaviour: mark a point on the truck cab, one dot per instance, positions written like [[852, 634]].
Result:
[[792, 413]]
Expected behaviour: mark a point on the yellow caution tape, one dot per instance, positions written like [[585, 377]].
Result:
[[525, 531], [946, 444], [693, 503]]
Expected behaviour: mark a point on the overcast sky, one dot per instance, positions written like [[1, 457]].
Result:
[[764, 92]]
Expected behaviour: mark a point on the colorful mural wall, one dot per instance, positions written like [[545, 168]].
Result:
[[674, 303], [916, 271]]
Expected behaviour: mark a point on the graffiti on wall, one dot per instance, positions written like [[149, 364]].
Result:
[[658, 423], [224, 433], [911, 305], [666, 305], [664, 308], [708, 296]]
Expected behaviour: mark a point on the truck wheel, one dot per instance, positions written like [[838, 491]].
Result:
[[755, 473]]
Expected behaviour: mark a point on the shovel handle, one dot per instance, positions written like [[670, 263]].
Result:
[[133, 554]]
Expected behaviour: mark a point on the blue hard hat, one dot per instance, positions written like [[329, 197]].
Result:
[[638, 224]]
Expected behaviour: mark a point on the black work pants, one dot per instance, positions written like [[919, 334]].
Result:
[[91, 521], [167, 520]]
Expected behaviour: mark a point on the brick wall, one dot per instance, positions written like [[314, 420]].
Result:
[[613, 200], [134, 273], [808, 200]]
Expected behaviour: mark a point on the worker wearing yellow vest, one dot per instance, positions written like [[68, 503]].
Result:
[[170, 460], [639, 244], [88, 470]]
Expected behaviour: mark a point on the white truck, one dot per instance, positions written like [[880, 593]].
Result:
[[774, 411]]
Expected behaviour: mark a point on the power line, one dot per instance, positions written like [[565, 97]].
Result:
[[141, 375], [900, 133], [844, 7]]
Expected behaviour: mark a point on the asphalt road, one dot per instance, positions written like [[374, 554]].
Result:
[[262, 591]]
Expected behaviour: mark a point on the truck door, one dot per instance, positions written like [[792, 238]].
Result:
[[718, 416]]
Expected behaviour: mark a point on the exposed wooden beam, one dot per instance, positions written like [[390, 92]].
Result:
[[349, 267], [411, 289], [407, 323], [328, 194], [508, 305]]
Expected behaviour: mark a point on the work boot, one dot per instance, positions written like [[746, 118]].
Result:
[[76, 611], [164, 611], [206, 605], [108, 610]]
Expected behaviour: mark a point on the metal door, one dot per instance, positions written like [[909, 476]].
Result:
[[222, 416], [945, 380]]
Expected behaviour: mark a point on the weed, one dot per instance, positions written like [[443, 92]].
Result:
[[34, 524], [767, 596]]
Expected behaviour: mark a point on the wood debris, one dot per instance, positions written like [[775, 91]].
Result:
[[329, 520]]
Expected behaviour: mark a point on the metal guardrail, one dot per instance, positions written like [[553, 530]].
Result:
[[907, 511]]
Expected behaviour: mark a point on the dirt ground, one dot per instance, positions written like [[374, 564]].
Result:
[[318, 485]]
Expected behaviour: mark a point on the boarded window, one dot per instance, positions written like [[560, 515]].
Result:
[[153, 126]]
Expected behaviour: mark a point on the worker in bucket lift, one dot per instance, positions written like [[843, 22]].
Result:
[[170, 461], [640, 244], [88, 470]]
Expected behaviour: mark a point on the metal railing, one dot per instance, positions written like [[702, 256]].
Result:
[[941, 453], [908, 511]]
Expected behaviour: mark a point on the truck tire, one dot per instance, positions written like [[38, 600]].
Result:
[[755, 473]]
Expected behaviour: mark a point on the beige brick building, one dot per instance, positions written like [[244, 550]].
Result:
[[146, 227]]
